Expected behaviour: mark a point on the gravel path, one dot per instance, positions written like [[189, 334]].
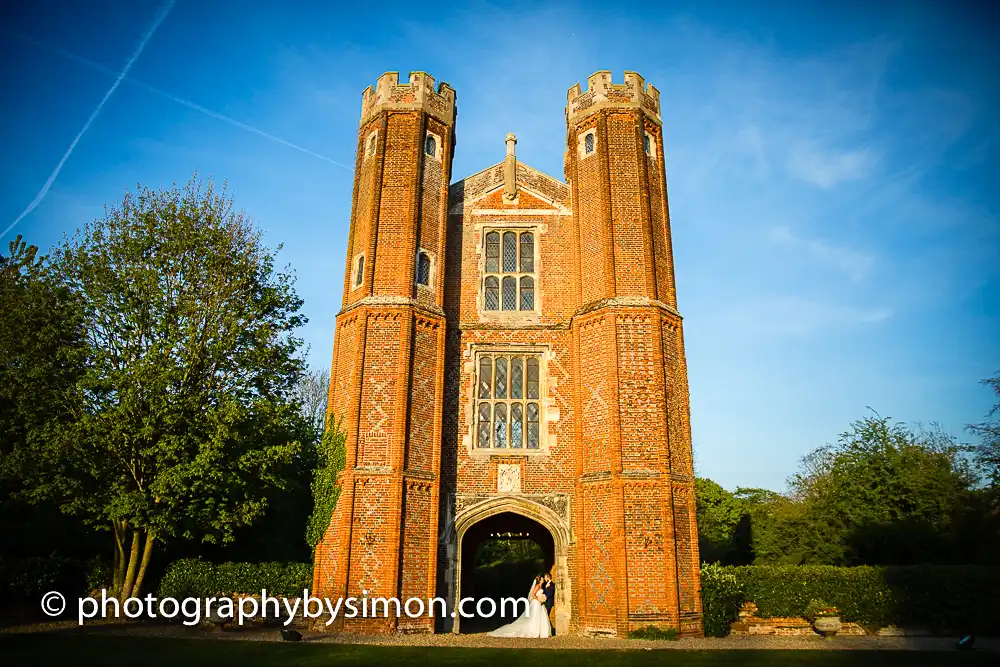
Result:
[[257, 633]]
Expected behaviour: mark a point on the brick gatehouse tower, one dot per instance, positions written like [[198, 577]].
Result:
[[509, 359]]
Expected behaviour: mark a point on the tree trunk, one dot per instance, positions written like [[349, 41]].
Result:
[[115, 560], [133, 563], [118, 562], [147, 553]]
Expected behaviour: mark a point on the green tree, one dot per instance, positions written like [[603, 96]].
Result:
[[42, 348], [42, 355], [988, 451], [719, 513], [730, 524], [186, 418], [495, 551], [882, 494], [783, 533]]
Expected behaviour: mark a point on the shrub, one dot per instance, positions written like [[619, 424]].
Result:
[[193, 577], [940, 598], [818, 609], [332, 455], [722, 595], [653, 632], [25, 580], [98, 575]]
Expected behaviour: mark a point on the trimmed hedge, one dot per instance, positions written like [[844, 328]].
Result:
[[940, 598], [193, 577], [655, 633]]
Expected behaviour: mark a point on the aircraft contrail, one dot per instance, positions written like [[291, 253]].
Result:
[[128, 65], [179, 100]]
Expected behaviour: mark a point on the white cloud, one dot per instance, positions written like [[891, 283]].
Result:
[[798, 316], [826, 168], [854, 263]]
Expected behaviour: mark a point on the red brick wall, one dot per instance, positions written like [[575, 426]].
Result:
[[394, 261], [378, 418], [631, 265], [640, 392], [420, 448], [419, 549], [596, 398], [648, 584], [659, 222], [599, 585]]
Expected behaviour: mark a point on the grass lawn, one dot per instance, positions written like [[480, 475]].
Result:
[[74, 649]]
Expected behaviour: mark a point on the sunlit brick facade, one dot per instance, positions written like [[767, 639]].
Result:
[[510, 350]]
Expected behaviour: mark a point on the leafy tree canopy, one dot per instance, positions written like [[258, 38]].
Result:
[[183, 415], [988, 451], [883, 494]]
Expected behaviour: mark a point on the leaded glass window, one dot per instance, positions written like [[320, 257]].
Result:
[[588, 144], [527, 293], [492, 297], [500, 425], [359, 274], [533, 377], [527, 252], [500, 377], [509, 252], [493, 252], [532, 425], [485, 377], [423, 269], [484, 425], [517, 377], [516, 425], [508, 410], [509, 293], [509, 281], [430, 146]]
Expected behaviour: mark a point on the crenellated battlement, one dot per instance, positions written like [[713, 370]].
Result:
[[602, 93], [419, 93]]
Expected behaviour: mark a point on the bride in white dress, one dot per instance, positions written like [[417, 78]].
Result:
[[532, 623]]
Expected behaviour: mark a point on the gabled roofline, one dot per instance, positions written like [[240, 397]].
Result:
[[488, 180]]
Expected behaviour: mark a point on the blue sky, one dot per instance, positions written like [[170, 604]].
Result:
[[835, 223]]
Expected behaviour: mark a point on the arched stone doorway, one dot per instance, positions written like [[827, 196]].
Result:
[[504, 580], [514, 514]]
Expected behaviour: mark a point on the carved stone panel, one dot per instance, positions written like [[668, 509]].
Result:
[[508, 478], [558, 503]]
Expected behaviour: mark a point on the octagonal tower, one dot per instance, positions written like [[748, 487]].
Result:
[[386, 381], [635, 502]]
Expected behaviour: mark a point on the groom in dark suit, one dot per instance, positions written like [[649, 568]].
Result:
[[549, 588]]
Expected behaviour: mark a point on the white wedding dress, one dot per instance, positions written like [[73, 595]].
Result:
[[532, 623]]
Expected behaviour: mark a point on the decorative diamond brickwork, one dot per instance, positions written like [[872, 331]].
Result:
[[601, 582], [596, 413], [378, 394], [370, 539], [640, 392], [418, 547], [645, 553], [424, 405]]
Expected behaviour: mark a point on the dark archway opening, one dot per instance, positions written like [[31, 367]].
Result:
[[501, 555]]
